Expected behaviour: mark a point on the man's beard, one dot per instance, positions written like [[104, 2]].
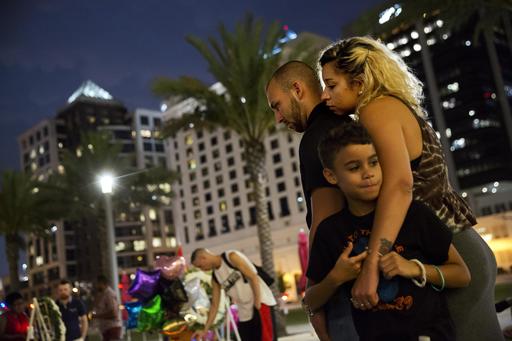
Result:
[[296, 120]]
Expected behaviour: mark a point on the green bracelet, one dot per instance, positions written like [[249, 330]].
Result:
[[442, 280]]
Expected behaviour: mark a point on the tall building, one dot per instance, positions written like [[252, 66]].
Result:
[[467, 85], [141, 234]]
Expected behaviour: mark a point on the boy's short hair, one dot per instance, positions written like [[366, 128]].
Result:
[[339, 137]]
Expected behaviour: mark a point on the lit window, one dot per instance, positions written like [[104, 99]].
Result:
[[157, 242], [189, 140], [152, 214], [139, 245], [431, 41], [145, 133], [223, 206], [120, 246], [458, 144], [453, 87], [405, 53], [39, 260], [192, 164]]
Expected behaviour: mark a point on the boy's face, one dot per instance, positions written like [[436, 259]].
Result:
[[357, 172]]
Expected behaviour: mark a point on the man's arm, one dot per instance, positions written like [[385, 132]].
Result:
[[84, 326], [325, 201], [214, 306], [239, 263]]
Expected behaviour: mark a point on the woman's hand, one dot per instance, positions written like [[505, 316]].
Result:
[[393, 265], [364, 291]]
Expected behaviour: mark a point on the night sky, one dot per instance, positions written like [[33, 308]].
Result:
[[48, 48]]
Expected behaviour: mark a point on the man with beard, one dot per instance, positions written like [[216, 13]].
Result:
[[294, 94], [73, 313]]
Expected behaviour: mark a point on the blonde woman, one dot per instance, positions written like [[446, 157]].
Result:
[[364, 77]]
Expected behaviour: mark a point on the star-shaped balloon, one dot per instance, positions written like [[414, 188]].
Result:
[[145, 285]]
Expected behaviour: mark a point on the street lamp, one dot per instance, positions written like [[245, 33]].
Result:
[[106, 181]]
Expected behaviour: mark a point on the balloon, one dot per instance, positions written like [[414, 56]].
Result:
[[151, 315], [144, 285], [171, 267], [197, 296], [133, 309], [174, 327], [174, 296]]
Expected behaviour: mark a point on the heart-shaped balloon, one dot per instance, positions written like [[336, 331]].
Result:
[[145, 284], [171, 267]]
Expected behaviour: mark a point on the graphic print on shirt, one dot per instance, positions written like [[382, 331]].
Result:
[[231, 280], [387, 288]]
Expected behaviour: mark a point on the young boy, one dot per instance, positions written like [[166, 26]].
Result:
[[407, 307]]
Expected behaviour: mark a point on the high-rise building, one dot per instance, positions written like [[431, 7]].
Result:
[[468, 91], [141, 233]]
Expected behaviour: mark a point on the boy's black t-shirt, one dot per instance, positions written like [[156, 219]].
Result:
[[405, 311], [320, 121]]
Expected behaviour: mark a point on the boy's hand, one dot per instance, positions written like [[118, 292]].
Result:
[[392, 264], [347, 268]]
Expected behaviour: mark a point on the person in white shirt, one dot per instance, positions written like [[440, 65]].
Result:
[[237, 275]]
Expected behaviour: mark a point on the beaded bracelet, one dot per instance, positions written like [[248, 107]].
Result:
[[442, 279], [423, 275]]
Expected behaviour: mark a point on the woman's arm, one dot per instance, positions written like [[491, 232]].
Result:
[[454, 270], [382, 120]]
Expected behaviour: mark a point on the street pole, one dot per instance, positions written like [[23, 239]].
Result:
[[107, 183], [111, 250]]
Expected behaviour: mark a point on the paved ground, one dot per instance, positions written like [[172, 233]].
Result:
[[304, 332]]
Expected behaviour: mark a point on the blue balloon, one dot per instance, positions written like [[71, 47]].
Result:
[[133, 309]]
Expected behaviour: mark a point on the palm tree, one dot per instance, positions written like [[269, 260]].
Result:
[[76, 186], [242, 61], [25, 207]]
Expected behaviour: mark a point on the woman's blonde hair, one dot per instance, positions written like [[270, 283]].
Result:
[[381, 71]]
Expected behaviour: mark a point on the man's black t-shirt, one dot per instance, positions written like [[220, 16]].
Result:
[[320, 121], [71, 313], [404, 311]]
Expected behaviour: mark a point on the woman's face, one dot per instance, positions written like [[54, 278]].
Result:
[[340, 95], [18, 306]]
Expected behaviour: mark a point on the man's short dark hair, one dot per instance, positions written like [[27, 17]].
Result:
[[339, 137], [12, 297], [64, 282], [102, 279], [196, 253], [294, 70]]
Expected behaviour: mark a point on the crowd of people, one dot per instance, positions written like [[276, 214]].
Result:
[[104, 312], [392, 251]]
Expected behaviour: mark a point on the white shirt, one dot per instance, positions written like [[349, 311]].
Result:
[[240, 290]]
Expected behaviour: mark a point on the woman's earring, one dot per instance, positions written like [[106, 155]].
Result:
[[360, 92]]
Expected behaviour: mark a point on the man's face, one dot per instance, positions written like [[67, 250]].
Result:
[[286, 108], [64, 291], [202, 262]]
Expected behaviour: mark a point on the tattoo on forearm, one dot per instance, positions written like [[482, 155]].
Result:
[[385, 246]]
